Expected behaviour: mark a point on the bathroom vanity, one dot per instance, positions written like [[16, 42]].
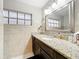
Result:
[[44, 50], [53, 48]]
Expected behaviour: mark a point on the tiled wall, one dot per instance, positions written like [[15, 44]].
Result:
[[1, 30], [17, 37], [17, 40]]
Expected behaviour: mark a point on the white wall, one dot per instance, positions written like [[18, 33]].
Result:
[[1, 8], [1, 41], [1, 30], [77, 15], [17, 37], [1, 4]]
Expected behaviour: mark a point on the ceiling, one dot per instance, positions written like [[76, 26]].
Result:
[[36, 3]]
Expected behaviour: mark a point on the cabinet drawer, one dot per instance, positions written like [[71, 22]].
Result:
[[48, 50], [35, 46], [59, 56], [44, 54]]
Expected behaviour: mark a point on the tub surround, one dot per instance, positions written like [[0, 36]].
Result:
[[63, 47]]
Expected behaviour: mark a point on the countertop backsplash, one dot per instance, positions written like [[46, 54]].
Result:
[[66, 36]]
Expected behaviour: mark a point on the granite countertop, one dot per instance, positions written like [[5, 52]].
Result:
[[65, 48]]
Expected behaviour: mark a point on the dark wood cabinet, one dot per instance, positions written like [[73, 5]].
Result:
[[36, 47], [44, 54], [44, 50], [59, 56]]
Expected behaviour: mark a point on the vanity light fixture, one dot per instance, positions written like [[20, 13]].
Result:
[[48, 11], [54, 5]]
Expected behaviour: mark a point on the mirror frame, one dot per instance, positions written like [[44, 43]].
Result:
[[71, 6]]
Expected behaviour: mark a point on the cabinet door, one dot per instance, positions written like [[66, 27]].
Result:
[[44, 54], [36, 48], [48, 50], [59, 56]]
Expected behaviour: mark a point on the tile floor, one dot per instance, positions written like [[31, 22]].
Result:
[[22, 57]]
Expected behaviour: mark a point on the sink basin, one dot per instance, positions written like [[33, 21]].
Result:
[[47, 38]]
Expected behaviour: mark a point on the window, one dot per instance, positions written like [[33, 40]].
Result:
[[12, 21], [12, 17], [53, 23], [20, 15], [27, 22], [5, 20], [20, 21], [17, 17], [5, 13], [28, 19], [27, 16], [12, 14], [21, 18]]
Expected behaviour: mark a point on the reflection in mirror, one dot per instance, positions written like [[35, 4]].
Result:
[[60, 19]]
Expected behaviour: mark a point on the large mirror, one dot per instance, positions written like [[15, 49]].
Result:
[[62, 19]]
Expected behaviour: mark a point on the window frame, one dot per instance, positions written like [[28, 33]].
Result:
[[9, 10]]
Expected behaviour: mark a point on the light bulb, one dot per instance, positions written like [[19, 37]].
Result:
[[54, 5], [48, 11]]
